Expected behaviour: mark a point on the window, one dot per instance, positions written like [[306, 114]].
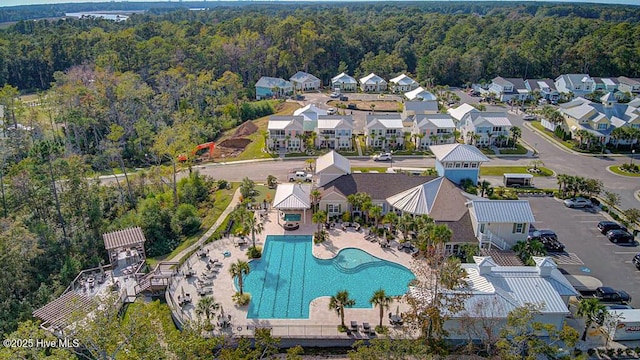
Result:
[[458, 165], [482, 228], [518, 228], [474, 165], [333, 208], [603, 126], [452, 249], [465, 165], [497, 129], [448, 165]]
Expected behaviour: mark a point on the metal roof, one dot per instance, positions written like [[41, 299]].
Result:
[[403, 80], [285, 122], [271, 82], [344, 78], [502, 211], [493, 118], [372, 79], [420, 93], [302, 76], [292, 196], [442, 121], [462, 110], [123, 238], [458, 152]]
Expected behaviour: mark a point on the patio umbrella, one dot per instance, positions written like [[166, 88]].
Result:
[[398, 310], [182, 290], [221, 311]]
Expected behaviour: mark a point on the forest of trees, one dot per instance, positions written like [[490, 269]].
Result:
[[116, 95]]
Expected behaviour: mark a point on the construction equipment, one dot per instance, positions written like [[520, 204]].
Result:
[[208, 145]]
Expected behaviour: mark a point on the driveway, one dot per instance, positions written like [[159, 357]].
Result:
[[589, 252]]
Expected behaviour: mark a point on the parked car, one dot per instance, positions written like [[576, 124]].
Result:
[[331, 111], [352, 106], [636, 261], [382, 157], [344, 98], [300, 176], [577, 203], [548, 238], [334, 95], [611, 295], [606, 226], [619, 235], [619, 307], [529, 117]]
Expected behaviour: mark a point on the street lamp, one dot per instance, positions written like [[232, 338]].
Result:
[[391, 153], [633, 154]]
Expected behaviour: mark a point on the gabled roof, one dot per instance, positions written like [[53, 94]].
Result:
[[502, 211], [302, 76], [574, 79], [372, 79], [439, 198], [421, 106], [335, 121], [501, 81], [344, 78], [493, 118], [285, 122], [271, 82], [403, 80], [458, 152], [539, 84], [440, 121], [420, 93], [387, 121], [628, 81], [333, 159], [379, 185], [608, 97], [462, 110], [292, 196], [310, 109]]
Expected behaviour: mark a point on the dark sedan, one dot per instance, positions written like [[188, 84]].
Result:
[[606, 226], [619, 236], [548, 238]]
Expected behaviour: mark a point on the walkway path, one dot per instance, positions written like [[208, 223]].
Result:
[[359, 147], [232, 205]]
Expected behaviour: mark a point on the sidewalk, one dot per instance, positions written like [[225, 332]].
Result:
[[232, 205]]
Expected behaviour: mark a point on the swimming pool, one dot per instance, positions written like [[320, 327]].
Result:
[[292, 217], [288, 277]]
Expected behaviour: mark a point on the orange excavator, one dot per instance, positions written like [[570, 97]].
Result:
[[209, 145]]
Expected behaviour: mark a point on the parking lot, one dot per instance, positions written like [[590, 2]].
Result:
[[588, 252]]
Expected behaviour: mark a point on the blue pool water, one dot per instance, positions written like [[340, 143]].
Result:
[[292, 217], [288, 277]]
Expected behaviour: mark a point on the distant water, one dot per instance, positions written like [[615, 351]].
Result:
[[108, 16]]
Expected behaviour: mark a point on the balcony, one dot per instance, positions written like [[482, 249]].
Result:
[[488, 240]]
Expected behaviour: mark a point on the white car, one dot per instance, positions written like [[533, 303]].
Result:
[[331, 111], [382, 157], [334, 95], [529, 117], [577, 203]]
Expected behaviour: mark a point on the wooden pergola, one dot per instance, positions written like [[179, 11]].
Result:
[[58, 313], [123, 240]]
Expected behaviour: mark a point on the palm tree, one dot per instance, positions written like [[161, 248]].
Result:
[[433, 139], [490, 136], [207, 305], [318, 218], [316, 195], [375, 211], [516, 133], [382, 301], [255, 227], [619, 133], [484, 187], [237, 270], [562, 182], [391, 218], [476, 138], [405, 224], [502, 138], [590, 309], [338, 302]]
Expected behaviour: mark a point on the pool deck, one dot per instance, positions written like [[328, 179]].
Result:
[[322, 322]]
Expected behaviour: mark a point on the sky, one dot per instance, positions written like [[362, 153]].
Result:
[[33, 2]]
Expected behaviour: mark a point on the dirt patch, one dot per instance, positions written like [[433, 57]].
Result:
[[379, 105], [230, 147], [247, 128]]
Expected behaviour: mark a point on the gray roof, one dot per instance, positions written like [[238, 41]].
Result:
[[534, 84], [458, 152], [271, 82], [123, 238], [628, 81], [421, 106], [379, 185], [302, 76], [502, 211]]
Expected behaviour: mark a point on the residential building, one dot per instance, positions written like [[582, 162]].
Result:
[[605, 84], [334, 132], [458, 113], [269, 87], [500, 223], [384, 131], [629, 85], [578, 84], [310, 114], [413, 108], [292, 198], [485, 128], [331, 166], [344, 83], [433, 129], [305, 82], [373, 83], [545, 87], [600, 119], [458, 161], [507, 89], [285, 133], [402, 84], [493, 291], [420, 94]]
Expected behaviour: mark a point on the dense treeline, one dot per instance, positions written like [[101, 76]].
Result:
[[530, 40]]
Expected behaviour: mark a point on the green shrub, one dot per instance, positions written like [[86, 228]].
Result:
[[186, 220], [254, 252], [241, 299]]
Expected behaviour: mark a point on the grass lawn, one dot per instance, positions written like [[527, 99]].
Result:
[[501, 170], [488, 151], [519, 150], [264, 193], [222, 200], [369, 169], [616, 169], [569, 144], [381, 105]]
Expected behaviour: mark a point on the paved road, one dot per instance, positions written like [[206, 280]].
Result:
[[562, 161]]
